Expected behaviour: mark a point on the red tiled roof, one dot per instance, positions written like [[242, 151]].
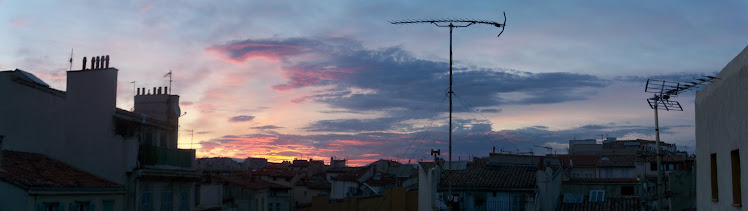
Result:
[[33, 170], [274, 173], [585, 160], [299, 163], [353, 176], [602, 180], [617, 161], [384, 181], [665, 158], [610, 203], [316, 183], [494, 177], [248, 182]]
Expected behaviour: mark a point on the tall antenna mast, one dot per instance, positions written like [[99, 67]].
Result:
[[169, 74], [663, 91], [460, 23], [134, 91], [71, 60]]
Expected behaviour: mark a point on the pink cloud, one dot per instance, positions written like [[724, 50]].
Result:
[[20, 22], [302, 77], [146, 8], [241, 118], [354, 142], [241, 52]]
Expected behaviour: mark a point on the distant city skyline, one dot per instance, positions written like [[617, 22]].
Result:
[[308, 80]]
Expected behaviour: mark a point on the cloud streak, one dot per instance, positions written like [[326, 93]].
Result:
[[241, 118], [389, 79], [470, 137]]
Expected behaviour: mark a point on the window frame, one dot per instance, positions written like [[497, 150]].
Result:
[[737, 194]]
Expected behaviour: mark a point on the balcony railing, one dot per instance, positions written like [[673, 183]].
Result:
[[152, 155]]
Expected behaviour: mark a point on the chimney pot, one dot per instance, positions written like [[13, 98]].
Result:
[[107, 61], [138, 91], [84, 63], [154, 90], [159, 90], [101, 62], [93, 61]]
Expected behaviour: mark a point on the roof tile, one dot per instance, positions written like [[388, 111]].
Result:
[[37, 170]]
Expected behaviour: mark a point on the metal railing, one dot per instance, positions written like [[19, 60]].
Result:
[[153, 155]]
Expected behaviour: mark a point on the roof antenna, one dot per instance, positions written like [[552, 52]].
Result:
[[71, 60], [133, 87], [451, 24], [169, 74]]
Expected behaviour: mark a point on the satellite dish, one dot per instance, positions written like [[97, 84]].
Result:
[[176, 111]]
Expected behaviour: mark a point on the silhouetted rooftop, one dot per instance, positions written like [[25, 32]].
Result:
[[31, 170]]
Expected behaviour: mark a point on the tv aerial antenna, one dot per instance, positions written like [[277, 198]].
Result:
[[663, 92], [452, 23]]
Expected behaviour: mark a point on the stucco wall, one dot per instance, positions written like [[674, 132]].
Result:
[[12, 197], [75, 127], [722, 126], [30, 116]]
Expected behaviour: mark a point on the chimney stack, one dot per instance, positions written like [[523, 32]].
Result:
[[107, 61], [541, 164], [84, 63]]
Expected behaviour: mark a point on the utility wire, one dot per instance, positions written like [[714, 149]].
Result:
[[470, 109], [425, 129]]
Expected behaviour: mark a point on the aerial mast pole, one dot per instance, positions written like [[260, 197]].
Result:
[[663, 91], [451, 25]]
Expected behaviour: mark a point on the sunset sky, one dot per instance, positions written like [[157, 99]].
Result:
[[315, 79]]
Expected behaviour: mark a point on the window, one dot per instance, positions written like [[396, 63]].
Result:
[[736, 194], [166, 200], [81, 206], [715, 187], [162, 138], [597, 195], [145, 201], [653, 166], [184, 205], [575, 175], [627, 190], [49, 206], [588, 175], [108, 205]]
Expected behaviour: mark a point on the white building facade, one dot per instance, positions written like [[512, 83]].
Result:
[[721, 131]]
